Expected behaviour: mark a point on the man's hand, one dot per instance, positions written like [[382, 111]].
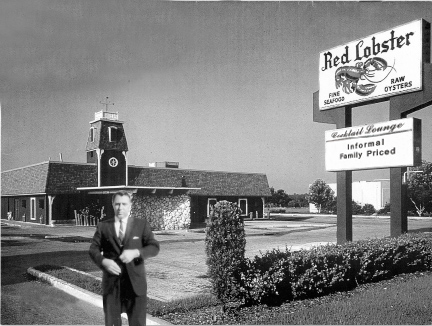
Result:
[[111, 266], [128, 255]]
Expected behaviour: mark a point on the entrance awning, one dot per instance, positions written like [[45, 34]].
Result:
[[134, 189]]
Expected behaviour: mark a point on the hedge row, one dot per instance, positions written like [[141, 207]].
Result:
[[278, 276]]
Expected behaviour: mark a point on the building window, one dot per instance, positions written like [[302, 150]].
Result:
[[41, 204], [23, 203], [92, 134], [32, 208], [113, 134], [243, 204], [210, 203]]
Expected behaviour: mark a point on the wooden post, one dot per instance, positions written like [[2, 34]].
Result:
[[50, 204]]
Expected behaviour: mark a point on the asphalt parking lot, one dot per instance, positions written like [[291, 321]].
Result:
[[178, 271]]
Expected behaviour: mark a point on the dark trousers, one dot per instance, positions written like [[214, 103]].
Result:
[[123, 299]]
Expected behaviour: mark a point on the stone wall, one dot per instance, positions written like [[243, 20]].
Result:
[[163, 212]]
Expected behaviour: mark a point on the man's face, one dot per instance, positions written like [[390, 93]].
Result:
[[122, 206]]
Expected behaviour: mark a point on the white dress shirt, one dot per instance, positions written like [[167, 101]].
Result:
[[117, 229], [117, 225]]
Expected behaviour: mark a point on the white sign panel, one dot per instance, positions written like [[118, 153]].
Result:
[[373, 67], [394, 143]]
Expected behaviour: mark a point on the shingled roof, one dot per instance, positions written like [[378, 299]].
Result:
[[212, 183], [61, 178], [27, 180], [48, 177]]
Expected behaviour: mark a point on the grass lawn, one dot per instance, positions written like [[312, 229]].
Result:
[[405, 299]]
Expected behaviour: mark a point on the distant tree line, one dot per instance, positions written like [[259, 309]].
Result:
[[279, 198], [323, 197], [419, 186]]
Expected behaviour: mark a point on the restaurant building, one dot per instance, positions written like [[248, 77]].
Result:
[[53, 192]]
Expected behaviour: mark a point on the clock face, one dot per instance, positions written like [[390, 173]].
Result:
[[113, 162]]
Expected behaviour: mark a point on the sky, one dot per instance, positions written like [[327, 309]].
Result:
[[223, 86]]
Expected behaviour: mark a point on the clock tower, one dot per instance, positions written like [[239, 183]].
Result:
[[107, 147]]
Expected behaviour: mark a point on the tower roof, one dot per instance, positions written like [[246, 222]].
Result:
[[106, 132]]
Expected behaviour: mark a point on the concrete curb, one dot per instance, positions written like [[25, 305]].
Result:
[[83, 294], [100, 279]]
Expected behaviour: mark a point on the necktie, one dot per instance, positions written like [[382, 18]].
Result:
[[121, 232]]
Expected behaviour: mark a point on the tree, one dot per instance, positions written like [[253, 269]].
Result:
[[298, 200], [420, 187], [320, 194], [368, 209], [356, 208], [330, 207], [279, 198]]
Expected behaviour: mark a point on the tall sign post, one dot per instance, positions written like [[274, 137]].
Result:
[[394, 66]]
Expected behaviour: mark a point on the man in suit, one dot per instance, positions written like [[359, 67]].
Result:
[[119, 247]]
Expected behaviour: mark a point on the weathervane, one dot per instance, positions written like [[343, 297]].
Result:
[[106, 104]]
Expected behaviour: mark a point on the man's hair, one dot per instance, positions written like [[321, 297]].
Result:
[[122, 193]]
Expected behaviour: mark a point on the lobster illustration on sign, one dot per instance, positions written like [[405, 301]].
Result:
[[349, 76]]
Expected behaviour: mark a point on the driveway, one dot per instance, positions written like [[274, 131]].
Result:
[[25, 302]]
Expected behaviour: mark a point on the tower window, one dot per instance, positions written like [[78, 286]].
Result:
[[92, 134], [113, 134]]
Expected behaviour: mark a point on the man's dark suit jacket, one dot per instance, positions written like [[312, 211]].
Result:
[[105, 244]]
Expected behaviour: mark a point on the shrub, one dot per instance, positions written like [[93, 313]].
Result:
[[266, 280], [356, 208], [384, 210], [278, 276], [321, 271], [225, 247], [368, 209], [330, 207]]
